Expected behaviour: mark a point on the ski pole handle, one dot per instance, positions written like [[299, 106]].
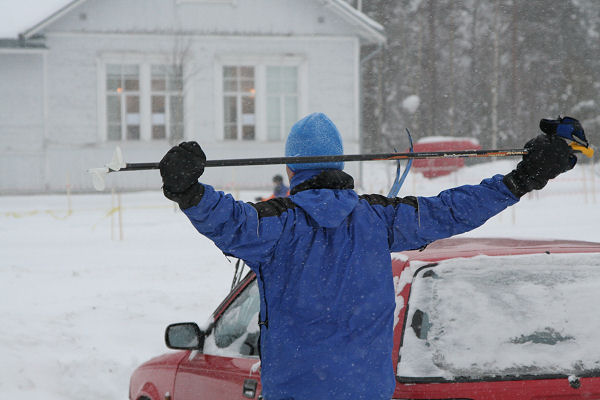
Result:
[[586, 151]]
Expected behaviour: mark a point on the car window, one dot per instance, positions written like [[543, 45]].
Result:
[[236, 332], [501, 316]]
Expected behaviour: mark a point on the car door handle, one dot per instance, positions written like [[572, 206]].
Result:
[[249, 388]]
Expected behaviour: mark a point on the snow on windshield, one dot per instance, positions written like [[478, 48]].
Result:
[[519, 315]]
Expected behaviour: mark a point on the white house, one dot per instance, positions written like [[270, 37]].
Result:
[[233, 75]]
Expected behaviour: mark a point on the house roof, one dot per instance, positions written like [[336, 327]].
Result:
[[366, 25], [20, 15], [51, 18], [352, 15]]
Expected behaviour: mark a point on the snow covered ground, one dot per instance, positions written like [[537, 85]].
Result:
[[80, 311]]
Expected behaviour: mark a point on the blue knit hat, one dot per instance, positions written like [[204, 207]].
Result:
[[314, 135]]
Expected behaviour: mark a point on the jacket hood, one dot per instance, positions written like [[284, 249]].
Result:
[[326, 195]]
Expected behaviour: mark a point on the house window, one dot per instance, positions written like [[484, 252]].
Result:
[[239, 102], [144, 101], [167, 102], [282, 100], [123, 102], [260, 101]]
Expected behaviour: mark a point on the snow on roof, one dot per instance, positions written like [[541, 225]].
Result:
[[374, 28], [19, 15], [27, 17]]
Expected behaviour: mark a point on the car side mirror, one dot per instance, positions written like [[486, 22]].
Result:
[[184, 336]]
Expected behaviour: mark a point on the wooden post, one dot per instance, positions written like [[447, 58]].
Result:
[[112, 214], [593, 174], [120, 216], [495, 75]]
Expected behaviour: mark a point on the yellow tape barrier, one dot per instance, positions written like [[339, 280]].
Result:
[[63, 215], [53, 214], [108, 214]]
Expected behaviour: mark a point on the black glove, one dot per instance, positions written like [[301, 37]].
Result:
[[180, 169], [547, 157]]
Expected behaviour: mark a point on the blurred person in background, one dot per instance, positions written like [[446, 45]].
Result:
[[279, 189]]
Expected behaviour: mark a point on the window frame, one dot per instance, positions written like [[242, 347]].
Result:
[[281, 96], [167, 94], [225, 307], [144, 63], [260, 64], [123, 95], [239, 95]]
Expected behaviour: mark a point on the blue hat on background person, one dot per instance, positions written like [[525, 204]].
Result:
[[314, 135]]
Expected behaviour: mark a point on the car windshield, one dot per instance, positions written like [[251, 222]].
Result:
[[503, 316]]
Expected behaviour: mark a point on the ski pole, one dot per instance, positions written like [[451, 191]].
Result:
[[117, 163], [237, 162]]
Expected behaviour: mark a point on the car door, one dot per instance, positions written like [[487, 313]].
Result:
[[227, 367]]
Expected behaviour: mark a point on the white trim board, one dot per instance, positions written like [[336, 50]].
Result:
[[50, 19], [370, 27]]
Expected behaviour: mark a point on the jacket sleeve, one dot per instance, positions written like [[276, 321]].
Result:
[[414, 224], [234, 226]]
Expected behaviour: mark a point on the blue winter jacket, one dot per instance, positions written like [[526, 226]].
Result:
[[281, 190], [322, 257]]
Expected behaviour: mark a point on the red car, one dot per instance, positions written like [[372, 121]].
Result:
[[476, 319]]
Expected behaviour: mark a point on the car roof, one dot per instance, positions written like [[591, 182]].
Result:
[[470, 247]]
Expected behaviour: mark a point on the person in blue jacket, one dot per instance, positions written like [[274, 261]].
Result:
[[322, 255], [279, 189]]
